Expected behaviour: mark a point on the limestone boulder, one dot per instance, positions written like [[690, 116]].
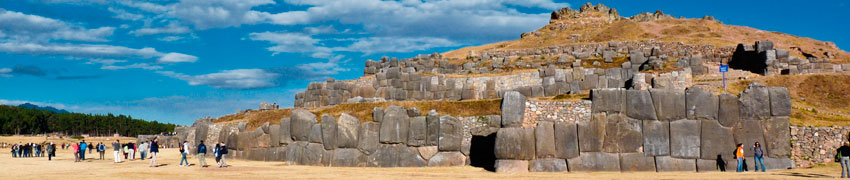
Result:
[[544, 136], [432, 122], [274, 135], [548, 165], [669, 103], [426, 152], [608, 100], [348, 157], [710, 165], [316, 134], [729, 112], [639, 105], [451, 134], [780, 101], [447, 158], [312, 154], [329, 131], [716, 140], [395, 125], [515, 143], [377, 114], [701, 104], [513, 108], [670, 164], [386, 155], [755, 102], [630, 162], [566, 140], [511, 166], [417, 132], [368, 140], [777, 135], [285, 127], [302, 124], [348, 131], [656, 137], [595, 161], [748, 132], [685, 139], [592, 134], [409, 157], [622, 134]]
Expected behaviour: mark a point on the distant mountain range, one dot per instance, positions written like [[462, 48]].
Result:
[[48, 108]]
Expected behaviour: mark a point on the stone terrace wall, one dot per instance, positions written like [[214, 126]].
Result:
[[648, 130], [814, 145]]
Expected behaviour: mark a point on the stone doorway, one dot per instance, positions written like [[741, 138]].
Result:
[[481, 152]]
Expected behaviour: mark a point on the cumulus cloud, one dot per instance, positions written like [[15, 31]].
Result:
[[372, 45], [171, 28], [205, 14], [24, 27], [144, 66], [123, 14], [230, 79], [170, 38], [4, 72], [176, 58]]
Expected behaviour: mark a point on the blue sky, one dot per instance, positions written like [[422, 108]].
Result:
[[176, 61]]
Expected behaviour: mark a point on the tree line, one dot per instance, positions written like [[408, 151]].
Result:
[[18, 120]]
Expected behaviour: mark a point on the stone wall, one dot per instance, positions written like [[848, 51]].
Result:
[[646, 130], [815, 145]]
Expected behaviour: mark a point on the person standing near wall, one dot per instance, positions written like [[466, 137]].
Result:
[[739, 155], [154, 151], [184, 149], [116, 148], [758, 155], [223, 154], [844, 153], [202, 152]]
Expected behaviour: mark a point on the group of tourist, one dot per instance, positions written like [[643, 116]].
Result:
[[33, 150], [758, 155], [219, 152]]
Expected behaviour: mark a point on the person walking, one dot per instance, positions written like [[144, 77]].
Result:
[[101, 149], [758, 155], [143, 148], [184, 149], [223, 155], [132, 148], [154, 151], [116, 148], [83, 146], [51, 151], [844, 153], [217, 154], [202, 152], [739, 154], [76, 149], [90, 148]]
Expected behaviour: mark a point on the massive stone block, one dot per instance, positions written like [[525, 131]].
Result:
[[636, 162], [377, 114], [274, 135], [513, 108], [778, 163], [592, 134], [417, 132], [385, 156], [709, 165], [511, 166], [302, 124], [312, 155], [433, 129], [777, 135], [780, 101], [451, 134], [395, 125], [566, 140], [669, 103], [316, 134], [515, 143], [716, 140], [729, 112], [656, 137], [285, 127], [608, 100], [701, 104], [755, 102], [685, 139], [409, 157], [748, 132], [670, 164], [545, 139], [368, 141], [329, 131], [639, 105], [595, 161], [622, 134], [447, 158], [348, 157], [348, 131], [548, 165]]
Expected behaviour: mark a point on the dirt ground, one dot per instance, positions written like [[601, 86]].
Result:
[[64, 167]]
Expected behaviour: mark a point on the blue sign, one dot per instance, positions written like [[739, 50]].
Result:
[[724, 68]]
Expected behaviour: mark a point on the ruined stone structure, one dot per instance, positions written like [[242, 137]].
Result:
[[815, 145]]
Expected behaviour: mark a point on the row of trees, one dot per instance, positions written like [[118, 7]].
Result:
[[17, 120]]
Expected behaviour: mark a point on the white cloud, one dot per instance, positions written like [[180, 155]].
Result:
[[171, 28], [24, 27], [5, 70], [323, 69], [176, 58], [230, 79], [122, 14], [396, 44], [170, 38], [205, 14], [144, 66], [105, 61]]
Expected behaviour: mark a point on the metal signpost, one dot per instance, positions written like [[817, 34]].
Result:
[[723, 69]]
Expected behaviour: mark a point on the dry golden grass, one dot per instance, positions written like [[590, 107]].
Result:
[[818, 99], [595, 28], [64, 167], [363, 111]]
